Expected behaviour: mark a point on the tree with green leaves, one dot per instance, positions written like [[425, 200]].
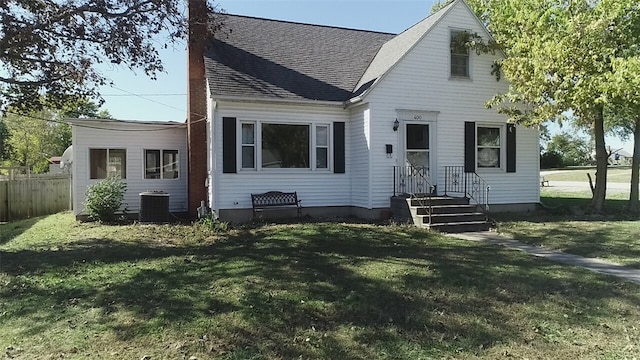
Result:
[[4, 141], [572, 150], [33, 138], [624, 117], [560, 57], [52, 47]]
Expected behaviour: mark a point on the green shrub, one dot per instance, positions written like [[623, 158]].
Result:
[[104, 199]]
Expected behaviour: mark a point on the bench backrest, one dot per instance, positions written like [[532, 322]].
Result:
[[274, 198]]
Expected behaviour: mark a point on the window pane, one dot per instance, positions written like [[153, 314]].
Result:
[[489, 157], [488, 136], [152, 164], [117, 163], [248, 157], [170, 164], [459, 54], [417, 136], [285, 146], [322, 136], [248, 134], [459, 65], [458, 42], [322, 155], [97, 163], [418, 159]]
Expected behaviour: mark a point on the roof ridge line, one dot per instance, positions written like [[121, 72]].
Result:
[[307, 24]]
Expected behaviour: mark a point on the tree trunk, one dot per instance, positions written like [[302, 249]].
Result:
[[634, 202], [600, 193]]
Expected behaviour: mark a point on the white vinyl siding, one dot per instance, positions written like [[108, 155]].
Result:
[[315, 186], [360, 156], [135, 138]]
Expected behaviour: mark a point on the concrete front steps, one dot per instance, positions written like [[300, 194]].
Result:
[[448, 214]]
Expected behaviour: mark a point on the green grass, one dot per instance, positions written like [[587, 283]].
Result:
[[614, 175], [309, 291], [568, 226]]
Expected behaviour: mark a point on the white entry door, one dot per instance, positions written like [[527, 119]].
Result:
[[417, 145]]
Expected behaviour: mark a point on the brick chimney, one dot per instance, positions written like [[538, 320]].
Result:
[[197, 104]]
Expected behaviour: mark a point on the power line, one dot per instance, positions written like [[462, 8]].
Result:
[[125, 95], [145, 98]]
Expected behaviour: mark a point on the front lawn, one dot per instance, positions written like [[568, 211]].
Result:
[[566, 225], [303, 291]]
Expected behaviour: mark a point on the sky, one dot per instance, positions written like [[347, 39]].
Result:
[[133, 96]]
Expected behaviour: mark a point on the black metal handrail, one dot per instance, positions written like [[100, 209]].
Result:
[[415, 182], [468, 184]]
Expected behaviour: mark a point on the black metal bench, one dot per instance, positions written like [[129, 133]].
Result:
[[274, 200], [543, 182]]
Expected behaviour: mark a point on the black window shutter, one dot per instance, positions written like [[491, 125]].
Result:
[[228, 145], [338, 148], [469, 146], [511, 148]]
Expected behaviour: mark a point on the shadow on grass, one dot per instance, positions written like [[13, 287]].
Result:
[[317, 291], [11, 230]]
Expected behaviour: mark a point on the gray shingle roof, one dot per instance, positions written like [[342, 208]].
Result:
[[261, 58]]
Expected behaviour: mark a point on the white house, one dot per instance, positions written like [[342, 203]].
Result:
[[311, 109], [346, 118], [148, 156]]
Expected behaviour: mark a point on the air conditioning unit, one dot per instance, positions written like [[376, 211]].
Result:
[[154, 207]]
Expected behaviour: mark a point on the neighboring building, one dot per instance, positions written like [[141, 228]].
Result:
[[620, 157], [333, 114], [54, 165]]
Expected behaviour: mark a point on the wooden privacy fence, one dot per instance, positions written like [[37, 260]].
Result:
[[25, 197]]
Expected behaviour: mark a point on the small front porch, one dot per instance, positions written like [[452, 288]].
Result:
[[460, 204]]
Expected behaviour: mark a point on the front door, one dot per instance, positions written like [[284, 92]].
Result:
[[418, 156], [417, 145]]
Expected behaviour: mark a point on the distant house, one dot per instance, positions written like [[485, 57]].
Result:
[[346, 118], [54, 165], [620, 157]]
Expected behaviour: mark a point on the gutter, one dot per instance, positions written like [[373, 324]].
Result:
[[278, 101]]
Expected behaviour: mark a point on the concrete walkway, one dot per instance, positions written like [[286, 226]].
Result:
[[597, 265]]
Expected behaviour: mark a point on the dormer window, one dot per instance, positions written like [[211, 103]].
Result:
[[459, 55]]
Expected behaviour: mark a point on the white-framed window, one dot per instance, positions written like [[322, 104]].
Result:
[[161, 164], [105, 162], [248, 145], [275, 145], [459, 55], [489, 144], [322, 146]]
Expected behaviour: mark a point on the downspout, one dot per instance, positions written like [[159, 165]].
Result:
[[211, 156]]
